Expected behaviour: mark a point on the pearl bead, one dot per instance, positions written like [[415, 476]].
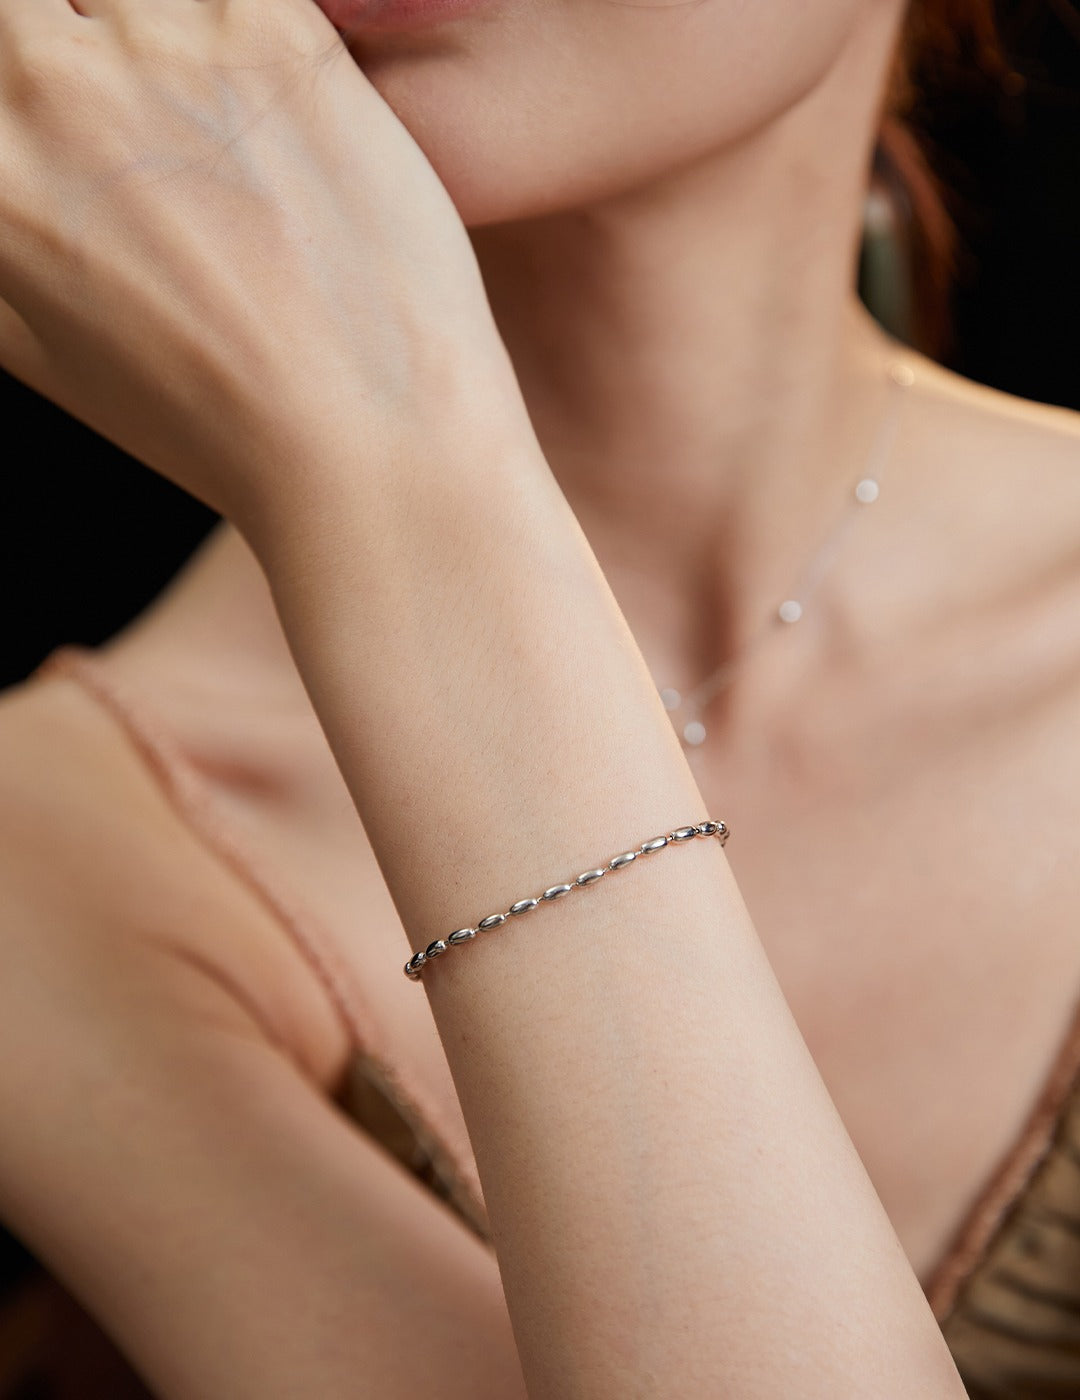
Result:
[[902, 374], [789, 611], [867, 491]]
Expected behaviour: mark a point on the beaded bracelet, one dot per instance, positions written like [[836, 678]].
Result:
[[415, 964]]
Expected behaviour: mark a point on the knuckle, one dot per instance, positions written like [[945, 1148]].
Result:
[[44, 70], [280, 35]]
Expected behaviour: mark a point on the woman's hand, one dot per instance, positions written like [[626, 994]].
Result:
[[221, 249]]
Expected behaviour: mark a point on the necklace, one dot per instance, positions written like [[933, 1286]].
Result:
[[790, 611]]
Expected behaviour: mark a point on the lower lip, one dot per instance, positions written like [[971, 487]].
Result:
[[393, 16]]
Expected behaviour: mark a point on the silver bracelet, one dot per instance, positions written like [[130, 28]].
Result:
[[416, 963]]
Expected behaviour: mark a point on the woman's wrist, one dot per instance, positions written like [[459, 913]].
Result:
[[364, 479], [461, 645]]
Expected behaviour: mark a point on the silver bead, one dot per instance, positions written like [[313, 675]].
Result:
[[706, 828]]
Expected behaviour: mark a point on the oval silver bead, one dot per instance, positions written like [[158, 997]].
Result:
[[461, 935], [436, 949], [492, 921], [627, 858], [412, 968], [684, 833], [589, 877], [709, 828], [523, 906], [556, 891], [723, 833], [656, 844]]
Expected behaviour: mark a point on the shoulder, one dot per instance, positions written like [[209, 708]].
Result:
[[1005, 437], [96, 861], [998, 478], [65, 788], [987, 541], [77, 801]]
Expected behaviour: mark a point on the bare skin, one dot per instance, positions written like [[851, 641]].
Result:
[[867, 759], [932, 991]]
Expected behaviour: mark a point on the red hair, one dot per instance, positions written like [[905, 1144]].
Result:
[[945, 44]]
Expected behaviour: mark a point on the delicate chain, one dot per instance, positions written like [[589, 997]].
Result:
[[707, 828], [866, 492]]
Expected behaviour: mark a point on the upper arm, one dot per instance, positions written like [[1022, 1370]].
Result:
[[223, 1221], [171, 1150]]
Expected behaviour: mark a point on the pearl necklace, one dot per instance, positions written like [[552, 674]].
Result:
[[866, 491]]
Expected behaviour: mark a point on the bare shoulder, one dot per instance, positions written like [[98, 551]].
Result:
[[82, 821], [94, 855], [67, 795], [1037, 443], [997, 489], [984, 551]]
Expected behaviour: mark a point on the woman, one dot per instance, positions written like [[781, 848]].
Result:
[[489, 492]]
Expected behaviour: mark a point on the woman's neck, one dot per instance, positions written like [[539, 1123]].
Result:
[[698, 372], [691, 353]]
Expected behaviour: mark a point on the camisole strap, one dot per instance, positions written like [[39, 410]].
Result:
[[1018, 1175], [419, 1136], [1014, 1325]]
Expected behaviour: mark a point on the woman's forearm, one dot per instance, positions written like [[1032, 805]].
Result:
[[676, 1206]]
